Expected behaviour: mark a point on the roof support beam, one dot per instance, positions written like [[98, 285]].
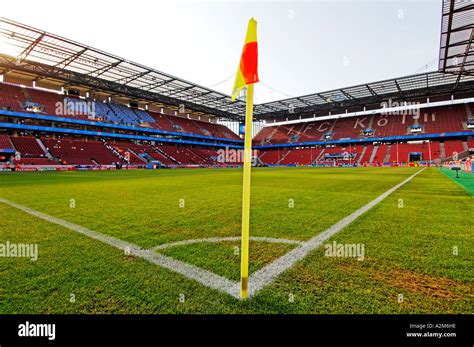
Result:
[[65, 63], [154, 85], [463, 64], [400, 92], [96, 73], [178, 90], [448, 34], [132, 78], [303, 101], [198, 95], [371, 90], [349, 96], [26, 52]]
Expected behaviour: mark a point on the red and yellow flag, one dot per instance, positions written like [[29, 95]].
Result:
[[247, 73]]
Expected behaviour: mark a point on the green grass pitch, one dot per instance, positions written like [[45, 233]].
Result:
[[410, 265]]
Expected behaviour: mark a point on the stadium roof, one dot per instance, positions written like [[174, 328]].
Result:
[[50, 57], [403, 88], [53, 57], [456, 53]]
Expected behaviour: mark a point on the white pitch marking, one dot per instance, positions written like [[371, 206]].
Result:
[[220, 239], [204, 277], [263, 277], [257, 281]]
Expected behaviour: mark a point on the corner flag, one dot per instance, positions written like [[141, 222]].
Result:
[[247, 75]]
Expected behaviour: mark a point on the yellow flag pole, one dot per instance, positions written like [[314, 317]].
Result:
[[244, 265]]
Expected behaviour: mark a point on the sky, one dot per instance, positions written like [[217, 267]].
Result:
[[304, 47]]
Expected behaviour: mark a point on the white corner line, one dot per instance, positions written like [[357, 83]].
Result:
[[204, 277], [222, 239], [266, 275]]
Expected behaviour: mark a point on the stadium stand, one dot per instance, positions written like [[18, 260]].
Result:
[[336, 127], [273, 156], [439, 120], [35, 161], [135, 152], [410, 152], [470, 144], [11, 97], [366, 154], [380, 154], [30, 100], [76, 152], [82, 109], [5, 143], [452, 147], [436, 120], [181, 124], [28, 147], [302, 156], [162, 122], [445, 119], [47, 100]]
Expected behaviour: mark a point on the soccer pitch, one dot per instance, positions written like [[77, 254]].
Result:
[[417, 241]]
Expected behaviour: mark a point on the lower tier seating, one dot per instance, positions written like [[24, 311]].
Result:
[[77, 152]]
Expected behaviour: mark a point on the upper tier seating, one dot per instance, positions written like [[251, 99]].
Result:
[[184, 125], [49, 100], [443, 120], [82, 109], [103, 112], [215, 130], [431, 120], [11, 97], [50, 103]]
